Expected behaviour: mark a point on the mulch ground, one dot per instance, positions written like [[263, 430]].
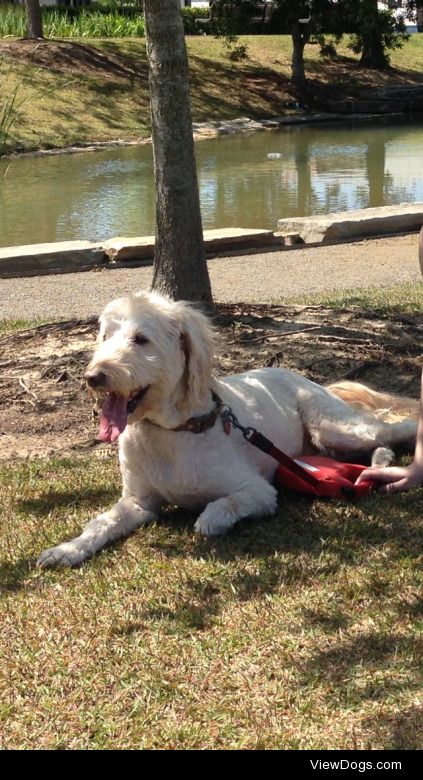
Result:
[[45, 409]]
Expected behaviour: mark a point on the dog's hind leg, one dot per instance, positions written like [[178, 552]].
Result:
[[256, 498], [334, 426], [118, 522]]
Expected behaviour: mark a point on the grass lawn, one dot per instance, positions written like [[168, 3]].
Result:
[[300, 631], [79, 91]]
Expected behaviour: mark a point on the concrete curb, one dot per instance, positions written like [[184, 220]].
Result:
[[57, 257], [346, 225], [71, 256]]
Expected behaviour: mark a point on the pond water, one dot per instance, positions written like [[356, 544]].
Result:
[[245, 181]]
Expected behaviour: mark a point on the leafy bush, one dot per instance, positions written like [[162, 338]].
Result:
[[111, 19], [12, 21], [98, 21], [189, 18]]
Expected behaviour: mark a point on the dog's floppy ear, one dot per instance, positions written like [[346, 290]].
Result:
[[197, 344]]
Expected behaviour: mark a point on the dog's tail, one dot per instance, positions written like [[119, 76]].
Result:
[[390, 408]]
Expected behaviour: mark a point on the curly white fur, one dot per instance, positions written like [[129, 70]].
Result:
[[164, 348]]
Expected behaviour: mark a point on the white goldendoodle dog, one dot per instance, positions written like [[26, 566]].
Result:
[[152, 374]]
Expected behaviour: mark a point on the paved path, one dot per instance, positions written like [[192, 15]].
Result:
[[268, 277]]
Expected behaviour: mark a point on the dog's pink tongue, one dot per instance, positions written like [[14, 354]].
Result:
[[113, 417]]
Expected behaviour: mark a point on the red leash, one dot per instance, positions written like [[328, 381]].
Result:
[[318, 476]]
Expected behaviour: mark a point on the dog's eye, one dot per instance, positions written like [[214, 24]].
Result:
[[139, 339]]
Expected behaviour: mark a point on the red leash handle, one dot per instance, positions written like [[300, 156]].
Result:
[[265, 445], [335, 480]]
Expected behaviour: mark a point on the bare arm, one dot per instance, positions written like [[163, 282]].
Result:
[[395, 479]]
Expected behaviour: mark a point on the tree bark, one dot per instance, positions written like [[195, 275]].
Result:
[[300, 37], [180, 268], [34, 20], [373, 53]]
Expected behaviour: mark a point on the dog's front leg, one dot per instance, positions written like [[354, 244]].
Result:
[[118, 522], [255, 499]]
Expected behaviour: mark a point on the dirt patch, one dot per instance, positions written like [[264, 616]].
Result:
[[45, 410], [72, 58]]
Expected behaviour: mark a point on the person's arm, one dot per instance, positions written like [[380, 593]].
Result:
[[421, 250], [396, 478]]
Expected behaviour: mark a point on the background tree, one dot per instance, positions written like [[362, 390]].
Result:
[[375, 31], [304, 20], [180, 267], [415, 10], [34, 20]]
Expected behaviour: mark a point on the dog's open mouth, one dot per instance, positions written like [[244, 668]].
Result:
[[114, 413]]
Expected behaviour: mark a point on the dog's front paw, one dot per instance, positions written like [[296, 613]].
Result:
[[66, 554], [209, 524]]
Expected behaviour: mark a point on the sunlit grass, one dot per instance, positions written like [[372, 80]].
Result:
[[299, 631], [8, 326], [407, 296]]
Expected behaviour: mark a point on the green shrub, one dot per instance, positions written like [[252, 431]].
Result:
[[12, 21], [98, 21], [111, 19], [189, 18]]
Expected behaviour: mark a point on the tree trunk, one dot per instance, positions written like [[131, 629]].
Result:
[[298, 76], [180, 268], [300, 36], [373, 53], [33, 19]]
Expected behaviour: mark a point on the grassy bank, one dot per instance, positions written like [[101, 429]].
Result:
[[80, 91]]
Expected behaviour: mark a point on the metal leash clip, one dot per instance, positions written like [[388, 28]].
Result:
[[229, 418]]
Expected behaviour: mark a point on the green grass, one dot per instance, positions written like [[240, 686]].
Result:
[[405, 297], [7, 327], [82, 90], [300, 631]]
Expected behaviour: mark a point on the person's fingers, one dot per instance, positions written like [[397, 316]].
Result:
[[394, 487], [381, 475]]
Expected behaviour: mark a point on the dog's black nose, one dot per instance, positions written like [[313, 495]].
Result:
[[95, 379]]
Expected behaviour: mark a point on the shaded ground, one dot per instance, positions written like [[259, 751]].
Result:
[[44, 408], [72, 58]]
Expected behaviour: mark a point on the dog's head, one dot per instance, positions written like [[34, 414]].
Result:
[[153, 360]]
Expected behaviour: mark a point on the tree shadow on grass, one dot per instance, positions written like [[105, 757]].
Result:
[[54, 499], [245, 90], [297, 535], [370, 667], [398, 731], [14, 575], [192, 614], [75, 59]]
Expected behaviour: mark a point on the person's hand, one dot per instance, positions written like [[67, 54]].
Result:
[[395, 478]]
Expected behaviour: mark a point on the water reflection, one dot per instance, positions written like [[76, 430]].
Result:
[[310, 170]]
